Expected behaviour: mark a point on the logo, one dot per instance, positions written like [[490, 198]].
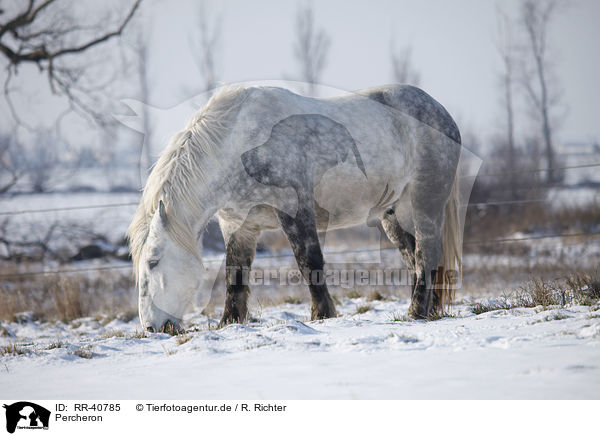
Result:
[[26, 415]]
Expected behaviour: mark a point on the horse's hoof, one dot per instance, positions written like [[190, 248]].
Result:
[[225, 323], [323, 313], [415, 313], [230, 319]]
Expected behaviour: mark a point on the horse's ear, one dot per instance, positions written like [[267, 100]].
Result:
[[162, 213]]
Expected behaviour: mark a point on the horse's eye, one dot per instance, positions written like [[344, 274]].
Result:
[[152, 263]]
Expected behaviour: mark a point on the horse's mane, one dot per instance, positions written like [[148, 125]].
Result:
[[180, 170]]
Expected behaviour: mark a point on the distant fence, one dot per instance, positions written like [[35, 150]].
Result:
[[279, 256], [283, 256]]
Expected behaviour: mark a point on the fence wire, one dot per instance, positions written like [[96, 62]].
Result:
[[284, 256], [280, 256], [126, 204]]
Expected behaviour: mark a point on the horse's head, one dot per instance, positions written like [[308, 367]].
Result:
[[168, 276]]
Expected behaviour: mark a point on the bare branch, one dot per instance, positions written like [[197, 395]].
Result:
[[310, 48], [204, 53], [11, 106], [535, 20], [40, 52], [7, 168], [142, 54], [101, 39], [23, 42], [26, 17], [506, 50], [402, 68]]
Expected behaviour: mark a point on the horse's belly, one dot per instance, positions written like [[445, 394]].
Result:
[[347, 198], [344, 197]]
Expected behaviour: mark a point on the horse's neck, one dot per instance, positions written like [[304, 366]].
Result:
[[197, 200], [201, 221]]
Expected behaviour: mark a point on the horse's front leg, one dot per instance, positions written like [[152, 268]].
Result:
[[301, 231], [240, 251]]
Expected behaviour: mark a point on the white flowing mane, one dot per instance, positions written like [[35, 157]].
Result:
[[179, 171]]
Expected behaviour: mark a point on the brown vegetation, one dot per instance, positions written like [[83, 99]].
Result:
[[576, 289], [64, 298]]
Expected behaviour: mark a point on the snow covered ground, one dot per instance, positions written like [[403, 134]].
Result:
[[520, 353], [530, 353]]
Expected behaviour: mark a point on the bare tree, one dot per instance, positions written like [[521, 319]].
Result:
[[536, 16], [310, 47], [39, 159], [142, 55], [9, 172], [206, 47], [47, 34], [506, 49], [402, 69]]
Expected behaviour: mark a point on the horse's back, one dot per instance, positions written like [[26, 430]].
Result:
[[385, 124], [416, 103], [406, 99]]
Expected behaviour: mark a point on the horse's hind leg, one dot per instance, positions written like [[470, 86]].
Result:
[[428, 252], [400, 238], [240, 250], [406, 243], [429, 193], [301, 231]]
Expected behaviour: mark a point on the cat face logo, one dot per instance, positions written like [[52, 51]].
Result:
[[26, 415]]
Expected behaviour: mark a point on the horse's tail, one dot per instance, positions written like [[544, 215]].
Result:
[[451, 262]]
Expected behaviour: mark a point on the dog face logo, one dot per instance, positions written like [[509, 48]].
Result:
[[26, 415]]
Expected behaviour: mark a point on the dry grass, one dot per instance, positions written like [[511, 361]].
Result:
[[538, 292], [170, 352], [578, 288], [182, 339], [363, 308], [114, 334], [67, 298], [440, 315], [494, 222], [553, 317], [64, 298], [585, 286], [4, 332], [354, 293], [13, 350], [376, 296], [480, 307], [400, 317], [292, 300], [139, 334], [55, 345], [84, 351]]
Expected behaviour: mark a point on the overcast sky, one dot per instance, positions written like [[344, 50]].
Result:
[[453, 48], [453, 44]]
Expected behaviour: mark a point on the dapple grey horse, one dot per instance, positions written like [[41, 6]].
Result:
[[264, 158]]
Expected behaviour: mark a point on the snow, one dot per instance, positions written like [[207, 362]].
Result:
[[532, 353], [110, 222], [574, 196]]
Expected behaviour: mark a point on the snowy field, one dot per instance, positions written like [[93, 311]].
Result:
[[520, 353], [371, 351]]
